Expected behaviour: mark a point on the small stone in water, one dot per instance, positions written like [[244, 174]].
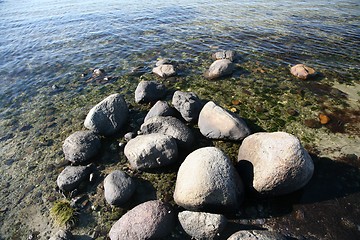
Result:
[[233, 110], [324, 119], [98, 72], [235, 102]]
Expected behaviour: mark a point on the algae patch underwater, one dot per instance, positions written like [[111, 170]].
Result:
[[63, 213]]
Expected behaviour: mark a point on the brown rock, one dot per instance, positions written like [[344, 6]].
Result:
[[324, 119], [302, 71]]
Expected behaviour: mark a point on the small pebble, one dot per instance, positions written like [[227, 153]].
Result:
[[324, 119], [235, 102]]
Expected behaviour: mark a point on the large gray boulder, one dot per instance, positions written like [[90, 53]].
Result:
[[201, 225], [72, 176], [256, 235], [219, 68], [164, 70], [188, 104], [149, 220], [208, 181], [118, 188], [280, 163], [108, 116], [217, 123], [170, 126], [151, 151], [80, 146], [149, 91], [160, 108]]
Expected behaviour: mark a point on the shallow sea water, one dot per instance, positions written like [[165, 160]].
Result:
[[45, 43]]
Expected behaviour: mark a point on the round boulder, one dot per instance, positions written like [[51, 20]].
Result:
[[80, 146], [71, 177], [170, 126], [201, 225], [280, 164], [108, 116], [151, 151], [160, 108], [256, 235], [118, 188], [217, 123], [188, 104], [149, 91], [208, 181], [302, 71], [219, 68], [149, 220]]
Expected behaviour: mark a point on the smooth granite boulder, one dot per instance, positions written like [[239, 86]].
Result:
[[118, 188], [217, 123], [151, 151], [302, 71], [81, 146], [72, 176], [108, 116], [164, 70], [208, 181], [280, 163], [219, 68], [256, 235], [202, 225], [172, 127], [149, 91], [160, 108], [188, 104], [149, 220]]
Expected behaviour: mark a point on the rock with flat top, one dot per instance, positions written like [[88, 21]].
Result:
[[302, 71], [280, 163], [164, 70]]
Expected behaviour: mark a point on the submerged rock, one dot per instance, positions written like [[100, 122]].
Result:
[[280, 164], [217, 123], [72, 176], [256, 235], [172, 127], [188, 104], [201, 225], [160, 108], [207, 180], [228, 54], [149, 91], [302, 71], [118, 188], [80, 146], [98, 72], [219, 68], [108, 116], [151, 151], [164, 70], [149, 220]]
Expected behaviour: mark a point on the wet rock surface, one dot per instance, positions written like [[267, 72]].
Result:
[[164, 70], [81, 146], [118, 188], [217, 123], [302, 71], [278, 162], [208, 181], [108, 116], [149, 220], [71, 177], [151, 151], [149, 91], [201, 225], [227, 54], [219, 68]]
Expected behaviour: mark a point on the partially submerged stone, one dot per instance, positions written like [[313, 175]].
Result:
[[108, 116], [170, 126], [72, 176], [165, 70], [188, 104], [302, 71], [81, 146], [207, 180], [202, 225], [154, 150], [217, 123], [219, 68], [280, 163], [149, 91], [227, 54], [118, 188], [149, 220], [256, 235]]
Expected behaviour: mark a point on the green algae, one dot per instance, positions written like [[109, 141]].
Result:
[[63, 214]]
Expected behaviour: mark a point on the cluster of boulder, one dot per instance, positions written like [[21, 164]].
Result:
[[208, 185]]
